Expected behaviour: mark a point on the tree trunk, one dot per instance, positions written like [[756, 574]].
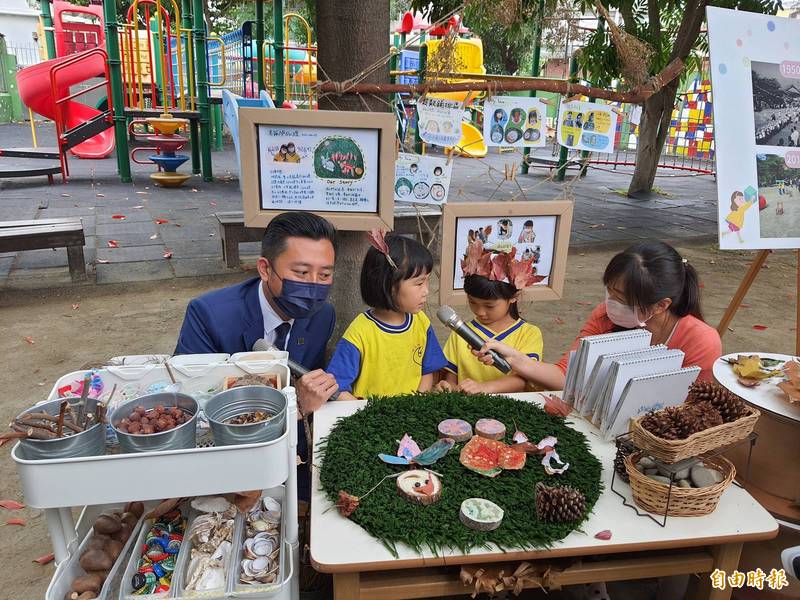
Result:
[[658, 108], [352, 35]]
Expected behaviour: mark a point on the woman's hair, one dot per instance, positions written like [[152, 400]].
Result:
[[483, 288], [651, 271], [735, 195], [380, 280]]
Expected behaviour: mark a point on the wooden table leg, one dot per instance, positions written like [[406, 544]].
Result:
[[726, 558], [77, 265], [346, 586]]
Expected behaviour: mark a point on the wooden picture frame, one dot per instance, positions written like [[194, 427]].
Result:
[[553, 218], [364, 134]]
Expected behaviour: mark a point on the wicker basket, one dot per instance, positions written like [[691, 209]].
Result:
[[672, 451], [651, 495]]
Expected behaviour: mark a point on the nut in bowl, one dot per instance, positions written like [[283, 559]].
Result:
[[162, 421], [247, 415]]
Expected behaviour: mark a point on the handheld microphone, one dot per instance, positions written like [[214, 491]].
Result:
[[449, 317], [297, 369]]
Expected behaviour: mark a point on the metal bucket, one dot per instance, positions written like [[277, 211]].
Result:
[[91, 442], [239, 400], [183, 436]]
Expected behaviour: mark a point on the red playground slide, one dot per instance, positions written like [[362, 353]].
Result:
[[36, 93]]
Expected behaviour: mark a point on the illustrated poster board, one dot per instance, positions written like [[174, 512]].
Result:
[[587, 126], [339, 165], [755, 72], [439, 121], [421, 179], [535, 229], [514, 121]]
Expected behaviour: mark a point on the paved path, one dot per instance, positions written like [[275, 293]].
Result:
[[685, 209]]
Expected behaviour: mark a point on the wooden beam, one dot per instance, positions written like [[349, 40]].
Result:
[[558, 86]]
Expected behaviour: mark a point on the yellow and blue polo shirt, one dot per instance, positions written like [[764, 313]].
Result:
[[374, 358], [521, 335]]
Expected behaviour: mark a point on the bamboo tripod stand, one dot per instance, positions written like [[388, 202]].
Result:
[[744, 287]]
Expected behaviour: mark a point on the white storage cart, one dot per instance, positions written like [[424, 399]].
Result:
[[95, 482]]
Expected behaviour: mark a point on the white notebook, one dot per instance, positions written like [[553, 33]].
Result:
[[594, 346], [597, 379], [650, 392], [622, 371]]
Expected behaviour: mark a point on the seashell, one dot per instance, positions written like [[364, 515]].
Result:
[[211, 504], [271, 505], [202, 528]]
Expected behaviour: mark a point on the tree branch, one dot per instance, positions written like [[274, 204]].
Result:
[[654, 21]]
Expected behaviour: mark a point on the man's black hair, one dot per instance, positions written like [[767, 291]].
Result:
[[294, 224]]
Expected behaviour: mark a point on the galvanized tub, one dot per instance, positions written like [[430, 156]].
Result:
[[91, 442], [239, 400], [183, 436]]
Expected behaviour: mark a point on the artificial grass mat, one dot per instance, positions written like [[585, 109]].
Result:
[[350, 463]]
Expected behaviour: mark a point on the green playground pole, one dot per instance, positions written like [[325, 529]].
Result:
[[537, 56], [277, 67], [260, 44], [117, 100], [421, 67], [201, 76], [47, 22], [194, 133], [217, 116], [562, 155]]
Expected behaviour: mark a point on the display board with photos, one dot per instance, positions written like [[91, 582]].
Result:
[[534, 231], [339, 165], [755, 73], [514, 121], [587, 126], [439, 120], [421, 179]]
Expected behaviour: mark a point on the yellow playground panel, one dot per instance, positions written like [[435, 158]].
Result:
[[468, 59]]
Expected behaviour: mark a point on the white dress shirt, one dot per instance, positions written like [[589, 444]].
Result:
[[271, 318]]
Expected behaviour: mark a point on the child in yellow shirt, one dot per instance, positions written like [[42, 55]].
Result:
[[391, 348]]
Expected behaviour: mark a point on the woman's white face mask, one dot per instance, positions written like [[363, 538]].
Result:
[[623, 315]]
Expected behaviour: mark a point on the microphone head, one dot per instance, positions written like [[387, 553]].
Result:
[[261, 345], [447, 316]]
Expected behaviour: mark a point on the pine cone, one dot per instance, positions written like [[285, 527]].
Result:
[[691, 418], [624, 449], [662, 423], [559, 504], [729, 405]]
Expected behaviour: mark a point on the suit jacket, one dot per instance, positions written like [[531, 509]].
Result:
[[230, 320]]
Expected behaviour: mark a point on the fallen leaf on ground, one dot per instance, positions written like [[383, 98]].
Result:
[[194, 190], [559, 321], [11, 504], [168, 254], [100, 195], [154, 236], [161, 221], [138, 206], [745, 305], [212, 203], [29, 339], [177, 224], [143, 193], [76, 306], [113, 244], [759, 327], [584, 303], [17, 521], [603, 535], [118, 217], [101, 261], [45, 559]]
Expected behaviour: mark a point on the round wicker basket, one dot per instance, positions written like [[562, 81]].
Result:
[[683, 502]]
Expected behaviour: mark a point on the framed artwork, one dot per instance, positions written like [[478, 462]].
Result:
[[339, 165], [534, 231], [755, 72]]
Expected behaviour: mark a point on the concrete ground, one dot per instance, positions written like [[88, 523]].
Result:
[[181, 221]]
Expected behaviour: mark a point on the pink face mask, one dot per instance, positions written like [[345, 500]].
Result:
[[623, 315]]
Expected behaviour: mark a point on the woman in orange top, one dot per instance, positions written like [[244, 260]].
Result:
[[648, 285]]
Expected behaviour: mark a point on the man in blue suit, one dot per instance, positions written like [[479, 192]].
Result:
[[286, 305]]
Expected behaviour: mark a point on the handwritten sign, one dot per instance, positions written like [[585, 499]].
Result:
[[439, 121]]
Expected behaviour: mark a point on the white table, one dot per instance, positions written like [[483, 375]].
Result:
[[363, 569]]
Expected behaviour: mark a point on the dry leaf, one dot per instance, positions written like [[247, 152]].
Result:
[[347, 503], [101, 261], [17, 521], [759, 327], [168, 254], [584, 303], [748, 382], [553, 405], [100, 195], [559, 321], [212, 203], [76, 306], [749, 367], [65, 195], [11, 504], [139, 206], [113, 244], [118, 217], [45, 559], [29, 339], [154, 236], [161, 221], [603, 535]]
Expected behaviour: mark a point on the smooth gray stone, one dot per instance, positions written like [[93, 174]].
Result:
[[683, 474], [649, 472], [647, 462], [705, 477], [683, 483], [659, 479]]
